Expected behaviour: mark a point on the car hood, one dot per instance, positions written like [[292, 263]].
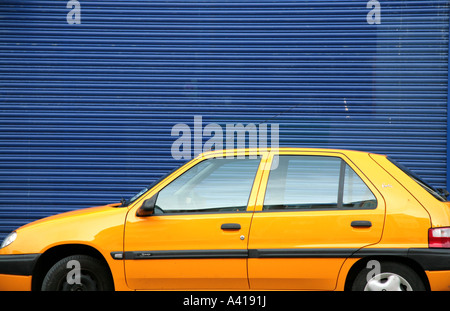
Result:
[[75, 213]]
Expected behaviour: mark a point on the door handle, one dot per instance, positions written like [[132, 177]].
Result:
[[230, 226], [361, 224]]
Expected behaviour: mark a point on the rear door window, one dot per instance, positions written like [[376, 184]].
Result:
[[316, 182]]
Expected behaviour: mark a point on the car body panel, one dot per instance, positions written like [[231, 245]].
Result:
[[300, 250], [10, 282], [320, 240], [439, 280], [184, 234], [417, 194], [98, 227]]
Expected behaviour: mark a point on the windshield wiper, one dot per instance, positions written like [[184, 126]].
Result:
[[443, 192], [124, 202]]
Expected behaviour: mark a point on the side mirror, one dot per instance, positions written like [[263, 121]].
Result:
[[148, 207]]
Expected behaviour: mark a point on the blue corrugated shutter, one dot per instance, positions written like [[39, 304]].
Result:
[[86, 110]]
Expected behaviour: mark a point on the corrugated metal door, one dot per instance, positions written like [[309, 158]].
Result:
[[86, 110]]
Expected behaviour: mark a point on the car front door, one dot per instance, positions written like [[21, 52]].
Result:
[[197, 236], [316, 210]]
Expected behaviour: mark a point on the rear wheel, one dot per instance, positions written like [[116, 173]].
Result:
[[78, 273], [391, 276]]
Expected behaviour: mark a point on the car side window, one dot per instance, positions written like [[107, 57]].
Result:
[[356, 194], [213, 185], [316, 182]]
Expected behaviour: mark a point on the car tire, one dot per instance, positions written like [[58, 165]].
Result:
[[392, 276], [78, 273]]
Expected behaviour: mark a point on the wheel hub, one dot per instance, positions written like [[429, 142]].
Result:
[[387, 282], [87, 283]]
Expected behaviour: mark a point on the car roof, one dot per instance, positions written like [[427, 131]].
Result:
[[280, 149]]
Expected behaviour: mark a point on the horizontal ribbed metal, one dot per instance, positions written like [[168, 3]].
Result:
[[86, 111]]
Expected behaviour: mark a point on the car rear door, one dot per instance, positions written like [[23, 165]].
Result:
[[313, 211]]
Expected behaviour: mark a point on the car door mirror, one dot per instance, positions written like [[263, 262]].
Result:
[[148, 207]]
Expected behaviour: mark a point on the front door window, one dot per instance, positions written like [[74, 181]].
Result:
[[215, 185]]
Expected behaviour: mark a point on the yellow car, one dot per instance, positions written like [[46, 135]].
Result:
[[286, 219]]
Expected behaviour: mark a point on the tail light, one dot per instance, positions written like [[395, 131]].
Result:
[[439, 237]]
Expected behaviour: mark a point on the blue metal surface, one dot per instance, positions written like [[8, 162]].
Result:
[[448, 123], [86, 110]]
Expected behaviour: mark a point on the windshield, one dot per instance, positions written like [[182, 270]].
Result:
[[126, 202], [420, 181]]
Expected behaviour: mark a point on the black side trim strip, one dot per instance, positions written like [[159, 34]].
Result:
[[22, 264], [251, 253], [364, 252], [431, 259], [186, 254], [302, 253]]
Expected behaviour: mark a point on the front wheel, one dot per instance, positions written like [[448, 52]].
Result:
[[78, 273], [387, 276]]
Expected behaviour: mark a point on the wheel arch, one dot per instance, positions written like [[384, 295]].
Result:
[[56, 253], [361, 264]]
